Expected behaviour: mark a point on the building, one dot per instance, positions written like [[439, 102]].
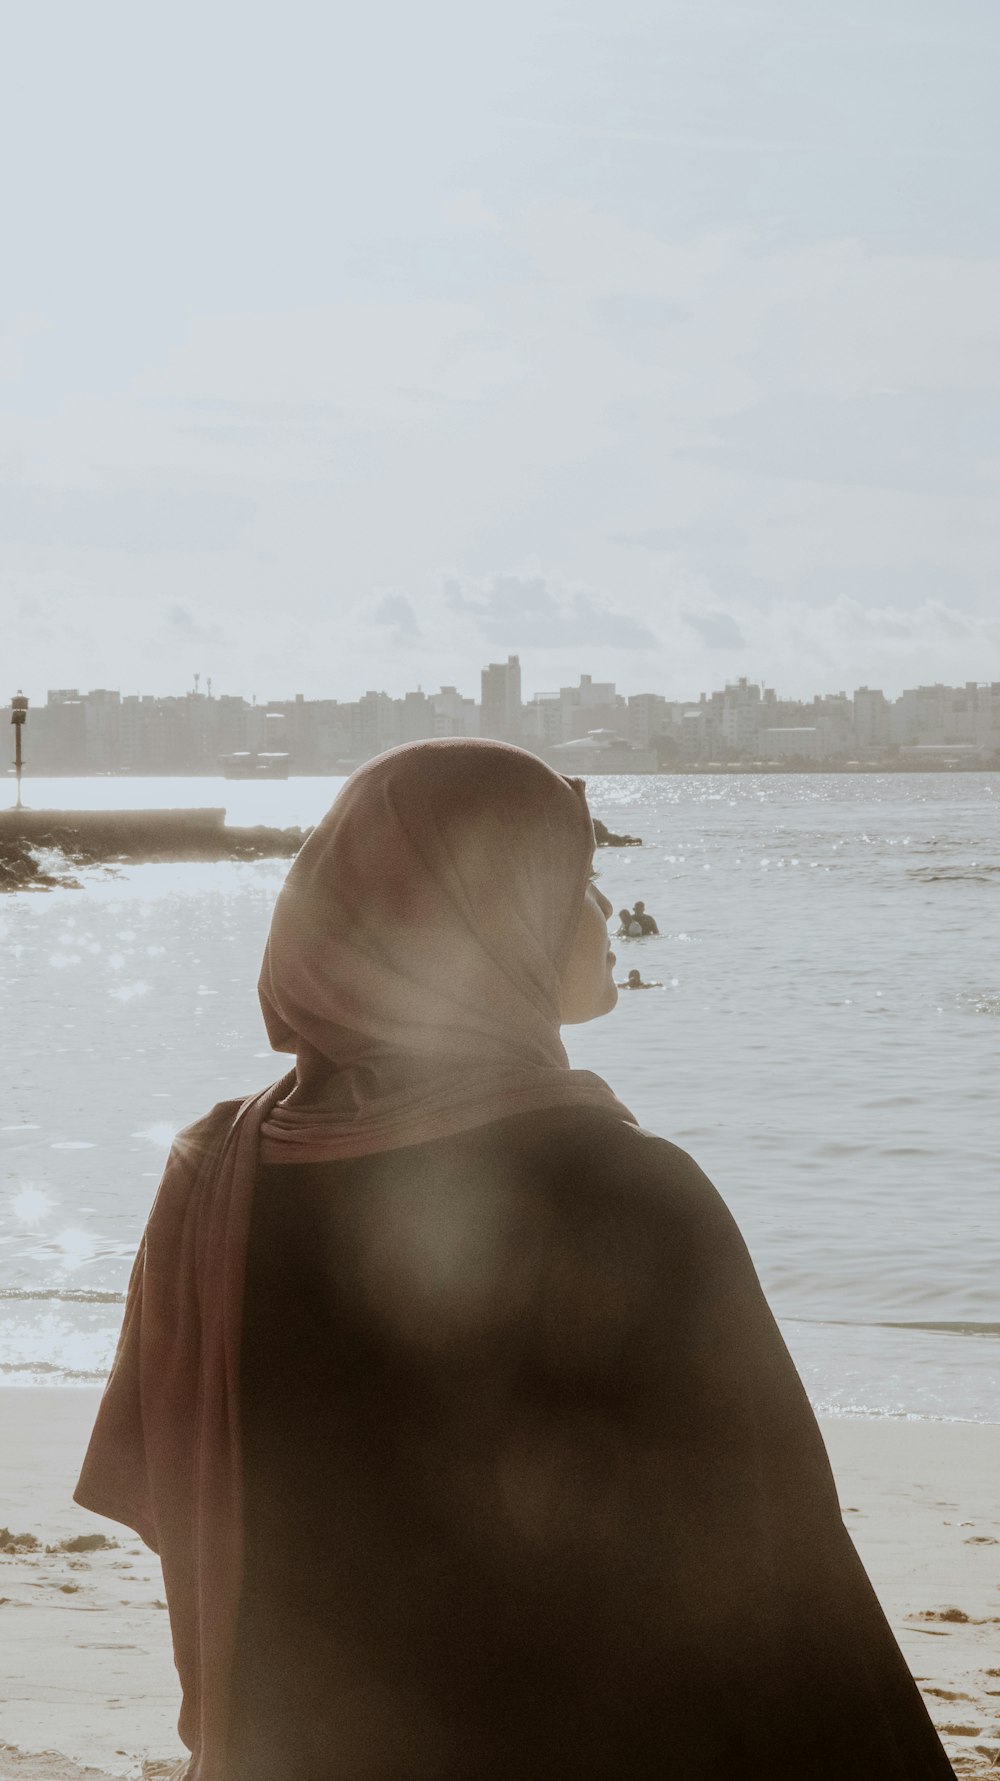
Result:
[[375, 727], [416, 717], [741, 706], [795, 742], [58, 735], [501, 700], [602, 751], [943, 754], [104, 731], [700, 729], [593, 705], [649, 715], [454, 715], [542, 721], [988, 717], [871, 720]]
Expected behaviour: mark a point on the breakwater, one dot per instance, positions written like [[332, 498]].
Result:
[[39, 849]]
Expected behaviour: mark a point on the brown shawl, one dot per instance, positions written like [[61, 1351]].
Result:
[[413, 967]]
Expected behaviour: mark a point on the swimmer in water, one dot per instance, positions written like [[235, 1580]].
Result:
[[628, 927], [634, 981], [647, 923]]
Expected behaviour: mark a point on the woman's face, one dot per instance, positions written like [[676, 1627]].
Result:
[[588, 986]]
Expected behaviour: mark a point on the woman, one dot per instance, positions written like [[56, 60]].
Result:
[[448, 1397]]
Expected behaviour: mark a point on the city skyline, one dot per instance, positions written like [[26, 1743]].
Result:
[[589, 727], [205, 686], [681, 645]]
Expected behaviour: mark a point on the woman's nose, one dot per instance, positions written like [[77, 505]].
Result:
[[607, 908]]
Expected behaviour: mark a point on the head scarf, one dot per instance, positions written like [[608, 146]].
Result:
[[415, 952], [413, 967]]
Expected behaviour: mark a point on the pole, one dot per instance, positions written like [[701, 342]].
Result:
[[18, 715]]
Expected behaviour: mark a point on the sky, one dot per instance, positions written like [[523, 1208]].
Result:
[[355, 347]]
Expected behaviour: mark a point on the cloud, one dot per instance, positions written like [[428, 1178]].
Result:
[[525, 610], [718, 630], [951, 622], [396, 611], [181, 626], [810, 423]]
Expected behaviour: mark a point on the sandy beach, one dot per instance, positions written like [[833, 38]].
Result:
[[87, 1685]]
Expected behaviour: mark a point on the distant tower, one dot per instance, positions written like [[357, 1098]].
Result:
[[208, 684], [501, 700], [196, 680]]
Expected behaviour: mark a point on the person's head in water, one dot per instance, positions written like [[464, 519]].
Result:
[[635, 980], [625, 916], [640, 908]]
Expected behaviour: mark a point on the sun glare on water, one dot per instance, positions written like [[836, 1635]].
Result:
[[31, 1205]]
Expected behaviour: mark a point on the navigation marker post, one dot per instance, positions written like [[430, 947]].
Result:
[[18, 717]]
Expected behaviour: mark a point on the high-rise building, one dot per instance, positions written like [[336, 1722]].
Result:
[[871, 718], [376, 725], [593, 705], [454, 715], [62, 734], [542, 721], [501, 700], [741, 716]]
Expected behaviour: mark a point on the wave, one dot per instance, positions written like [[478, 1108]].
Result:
[[976, 873], [984, 1004], [881, 1413], [56, 1374], [940, 1326], [947, 1328], [64, 1295]]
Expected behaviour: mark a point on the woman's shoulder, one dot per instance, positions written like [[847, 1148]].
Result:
[[632, 1246], [618, 1189], [600, 1146]]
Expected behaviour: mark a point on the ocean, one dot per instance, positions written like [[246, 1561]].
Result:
[[824, 1038]]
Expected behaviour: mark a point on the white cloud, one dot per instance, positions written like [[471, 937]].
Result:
[[539, 615], [396, 612], [718, 630]]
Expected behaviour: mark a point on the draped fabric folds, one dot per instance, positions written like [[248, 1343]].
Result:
[[413, 968]]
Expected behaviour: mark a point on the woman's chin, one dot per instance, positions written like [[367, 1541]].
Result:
[[579, 1016]]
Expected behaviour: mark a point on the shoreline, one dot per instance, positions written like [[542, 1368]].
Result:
[[88, 1691], [678, 770]]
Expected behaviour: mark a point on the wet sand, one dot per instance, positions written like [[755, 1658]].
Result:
[[87, 1685]]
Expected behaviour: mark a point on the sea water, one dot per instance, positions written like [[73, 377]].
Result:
[[823, 1037]]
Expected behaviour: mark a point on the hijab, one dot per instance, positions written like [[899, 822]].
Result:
[[413, 967], [415, 952]]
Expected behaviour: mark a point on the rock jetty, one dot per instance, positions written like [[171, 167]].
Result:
[[43, 849], [605, 837]]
